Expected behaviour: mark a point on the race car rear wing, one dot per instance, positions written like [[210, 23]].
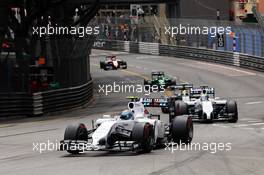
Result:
[[157, 102], [183, 86], [154, 102], [197, 92], [150, 102], [157, 73], [133, 98]]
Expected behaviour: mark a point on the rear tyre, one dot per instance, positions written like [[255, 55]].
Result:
[[124, 65], [181, 108], [231, 109], [160, 143], [101, 65], [182, 129], [143, 133], [146, 85], [173, 83], [76, 132], [165, 110]]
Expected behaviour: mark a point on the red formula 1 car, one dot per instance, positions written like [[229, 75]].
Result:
[[112, 63]]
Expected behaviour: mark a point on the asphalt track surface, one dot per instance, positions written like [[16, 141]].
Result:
[[246, 156]]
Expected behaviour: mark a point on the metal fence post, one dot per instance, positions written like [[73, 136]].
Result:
[[240, 43], [244, 43], [253, 45], [262, 46]]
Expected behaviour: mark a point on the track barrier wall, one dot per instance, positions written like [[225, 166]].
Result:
[[209, 55], [45, 102]]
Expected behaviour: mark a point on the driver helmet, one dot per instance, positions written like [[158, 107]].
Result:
[[127, 115], [184, 93], [113, 58]]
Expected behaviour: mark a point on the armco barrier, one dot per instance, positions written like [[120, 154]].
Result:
[[15, 104], [45, 102], [197, 54], [64, 99], [221, 57], [251, 62]]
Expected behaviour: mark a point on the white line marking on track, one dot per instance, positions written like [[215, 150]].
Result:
[[245, 119], [254, 102], [254, 121], [228, 68], [249, 128], [260, 75], [220, 125], [224, 126], [251, 124]]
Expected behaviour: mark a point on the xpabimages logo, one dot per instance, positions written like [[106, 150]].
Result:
[[59, 30], [196, 30], [211, 147], [41, 147], [130, 88]]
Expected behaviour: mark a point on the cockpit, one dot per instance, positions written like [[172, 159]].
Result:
[[113, 58], [127, 115], [157, 76], [204, 97]]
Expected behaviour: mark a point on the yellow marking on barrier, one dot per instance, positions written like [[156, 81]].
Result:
[[168, 93], [183, 81], [94, 65], [134, 73]]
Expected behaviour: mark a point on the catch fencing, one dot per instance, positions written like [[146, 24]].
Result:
[[245, 38]]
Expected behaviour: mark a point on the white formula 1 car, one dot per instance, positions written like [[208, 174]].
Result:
[[201, 104], [134, 129], [112, 63]]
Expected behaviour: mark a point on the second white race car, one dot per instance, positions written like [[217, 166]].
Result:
[[201, 104]]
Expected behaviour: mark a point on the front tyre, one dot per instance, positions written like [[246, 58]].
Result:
[[231, 109], [75, 132], [124, 66], [181, 108], [105, 67], [165, 110], [182, 129], [143, 133]]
